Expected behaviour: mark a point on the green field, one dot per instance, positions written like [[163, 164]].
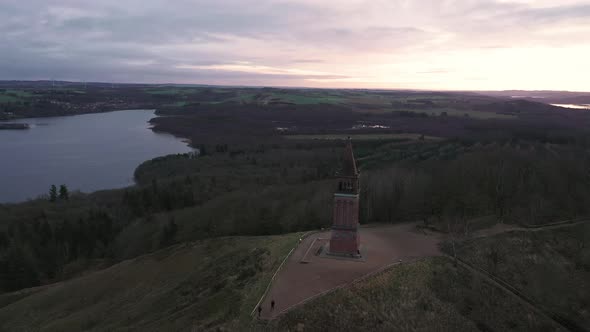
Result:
[[244, 97], [306, 99], [429, 295], [14, 96], [170, 91], [198, 286], [362, 101], [8, 99], [20, 93]]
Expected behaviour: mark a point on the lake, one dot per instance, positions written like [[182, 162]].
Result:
[[86, 152]]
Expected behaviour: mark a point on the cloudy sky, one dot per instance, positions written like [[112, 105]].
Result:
[[417, 44]]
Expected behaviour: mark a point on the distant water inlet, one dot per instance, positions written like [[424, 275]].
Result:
[[86, 152], [574, 106]]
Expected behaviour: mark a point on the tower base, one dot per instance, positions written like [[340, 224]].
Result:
[[345, 241], [360, 256]]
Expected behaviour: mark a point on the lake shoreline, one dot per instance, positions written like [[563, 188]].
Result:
[[50, 116], [88, 153], [14, 126]]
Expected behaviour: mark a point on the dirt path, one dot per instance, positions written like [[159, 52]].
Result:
[[305, 274], [503, 228]]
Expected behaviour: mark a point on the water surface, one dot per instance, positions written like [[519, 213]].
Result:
[[86, 152]]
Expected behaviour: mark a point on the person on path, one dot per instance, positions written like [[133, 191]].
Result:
[[259, 311], [272, 305]]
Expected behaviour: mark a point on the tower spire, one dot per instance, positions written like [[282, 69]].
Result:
[[349, 164]]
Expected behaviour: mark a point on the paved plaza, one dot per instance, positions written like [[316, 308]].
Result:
[[306, 274]]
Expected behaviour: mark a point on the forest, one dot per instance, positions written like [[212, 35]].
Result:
[[284, 189]]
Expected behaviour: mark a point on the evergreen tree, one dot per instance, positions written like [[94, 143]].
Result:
[[45, 233], [17, 270], [155, 185], [53, 193], [168, 233], [203, 150], [63, 192], [3, 240]]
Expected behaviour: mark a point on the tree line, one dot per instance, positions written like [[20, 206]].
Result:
[[276, 190]]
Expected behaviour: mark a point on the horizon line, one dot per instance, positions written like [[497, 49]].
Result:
[[287, 87]]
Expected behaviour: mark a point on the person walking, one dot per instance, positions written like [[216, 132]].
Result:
[[272, 305], [259, 311]]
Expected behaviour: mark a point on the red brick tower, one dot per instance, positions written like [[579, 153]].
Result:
[[345, 238]]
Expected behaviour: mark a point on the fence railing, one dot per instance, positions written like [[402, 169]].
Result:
[[303, 237]]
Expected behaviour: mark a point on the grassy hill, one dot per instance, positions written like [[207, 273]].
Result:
[[552, 267], [429, 295], [200, 286]]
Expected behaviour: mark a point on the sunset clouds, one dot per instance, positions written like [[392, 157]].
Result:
[[444, 44]]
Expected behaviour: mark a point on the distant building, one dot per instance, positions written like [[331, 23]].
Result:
[[345, 239]]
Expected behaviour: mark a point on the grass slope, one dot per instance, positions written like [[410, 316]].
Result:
[[198, 286], [429, 295], [550, 266]]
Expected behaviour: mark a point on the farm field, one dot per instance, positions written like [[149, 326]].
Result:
[[14, 96], [65, 98]]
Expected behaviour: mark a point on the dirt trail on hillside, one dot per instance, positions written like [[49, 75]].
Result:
[[503, 228]]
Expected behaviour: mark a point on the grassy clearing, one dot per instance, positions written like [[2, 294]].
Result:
[[178, 104], [14, 96], [203, 285], [243, 97], [8, 99], [550, 266], [300, 98], [377, 102], [19, 96], [423, 97], [19, 93], [430, 295], [170, 91], [308, 98], [75, 90], [362, 137]]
